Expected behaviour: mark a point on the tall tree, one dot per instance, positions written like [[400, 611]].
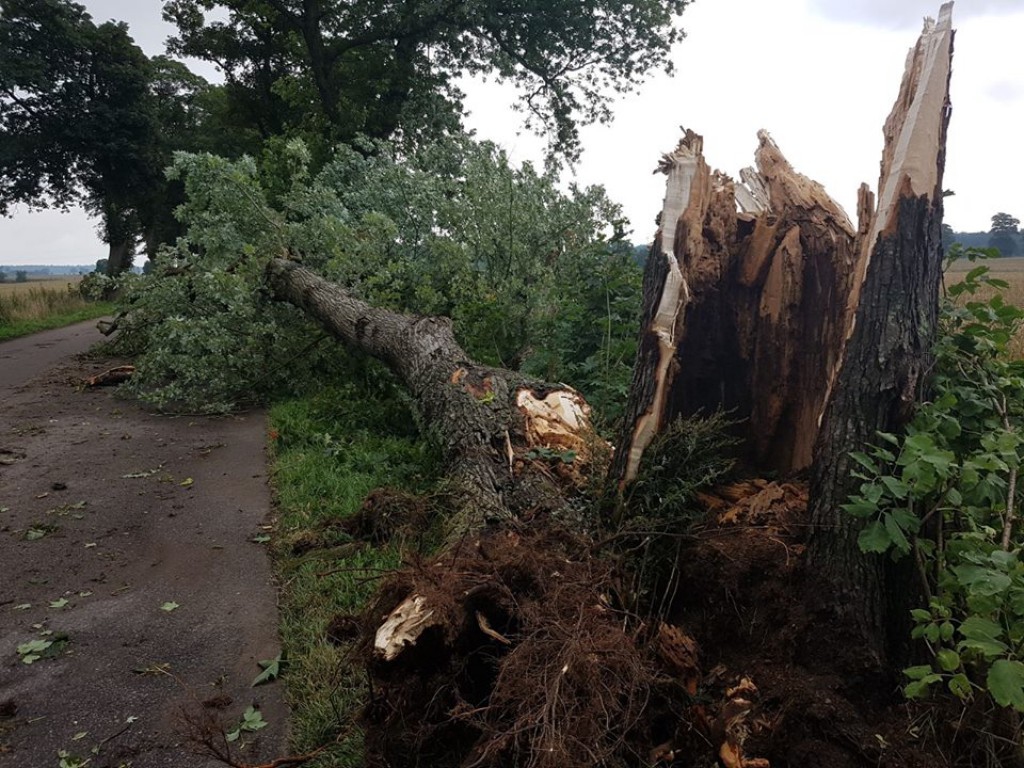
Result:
[[78, 121], [1004, 234], [380, 67]]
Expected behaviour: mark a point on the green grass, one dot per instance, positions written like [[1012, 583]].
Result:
[[331, 449], [41, 305], [91, 311]]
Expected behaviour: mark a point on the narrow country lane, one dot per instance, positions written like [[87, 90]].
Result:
[[128, 566]]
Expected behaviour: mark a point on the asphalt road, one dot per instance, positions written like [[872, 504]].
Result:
[[110, 516]]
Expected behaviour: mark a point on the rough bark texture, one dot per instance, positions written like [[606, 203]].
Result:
[[119, 257], [487, 419], [761, 299], [738, 306], [892, 317]]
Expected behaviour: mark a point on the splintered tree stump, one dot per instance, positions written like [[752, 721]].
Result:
[[762, 299], [740, 306]]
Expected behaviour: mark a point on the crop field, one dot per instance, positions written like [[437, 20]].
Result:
[[47, 303]]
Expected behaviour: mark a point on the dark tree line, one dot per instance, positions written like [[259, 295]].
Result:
[[86, 117]]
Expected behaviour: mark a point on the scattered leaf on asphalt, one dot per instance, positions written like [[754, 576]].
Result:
[[169, 606], [59, 603], [34, 534], [186, 482], [22, 607], [261, 539], [271, 669], [30, 651]]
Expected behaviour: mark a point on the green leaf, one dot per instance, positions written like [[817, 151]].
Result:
[[60, 603], [946, 631], [896, 535], [919, 688], [960, 686], [865, 461], [982, 581], [874, 538], [949, 660], [170, 606], [983, 636], [1006, 683], [271, 670], [896, 488], [918, 672]]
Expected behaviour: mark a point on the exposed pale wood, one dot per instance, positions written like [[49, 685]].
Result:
[[403, 627], [109, 378], [685, 196]]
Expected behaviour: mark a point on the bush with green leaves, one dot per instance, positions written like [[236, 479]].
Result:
[[947, 494], [532, 276]]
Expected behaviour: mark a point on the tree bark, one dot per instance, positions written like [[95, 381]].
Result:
[[737, 307], [760, 298], [119, 258], [488, 420], [891, 317]]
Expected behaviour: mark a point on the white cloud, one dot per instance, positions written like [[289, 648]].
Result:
[[904, 14], [822, 88]]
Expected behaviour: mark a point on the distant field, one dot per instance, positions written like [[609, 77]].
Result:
[[1009, 269], [44, 303], [1008, 266], [60, 282]]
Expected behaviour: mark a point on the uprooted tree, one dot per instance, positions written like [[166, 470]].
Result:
[[526, 640], [761, 299]]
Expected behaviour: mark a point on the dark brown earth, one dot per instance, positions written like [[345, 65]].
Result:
[[128, 511]]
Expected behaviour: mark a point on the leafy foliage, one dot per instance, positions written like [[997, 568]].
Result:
[[1005, 235], [948, 494], [524, 270], [327, 68], [86, 118]]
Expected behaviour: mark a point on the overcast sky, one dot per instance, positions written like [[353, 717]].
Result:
[[820, 75]]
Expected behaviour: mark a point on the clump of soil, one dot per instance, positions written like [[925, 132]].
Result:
[[526, 659], [522, 648], [746, 601], [387, 514]]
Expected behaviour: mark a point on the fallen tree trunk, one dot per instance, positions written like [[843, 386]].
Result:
[[487, 419]]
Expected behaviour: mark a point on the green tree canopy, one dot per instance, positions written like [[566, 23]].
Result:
[[1004, 234], [378, 67], [86, 118]]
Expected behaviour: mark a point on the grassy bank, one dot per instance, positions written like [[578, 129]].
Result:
[[329, 451], [40, 305]]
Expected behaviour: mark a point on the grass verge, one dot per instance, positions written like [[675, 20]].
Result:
[[27, 308], [329, 450]]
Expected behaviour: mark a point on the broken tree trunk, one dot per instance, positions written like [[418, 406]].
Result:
[[488, 419], [737, 307], [761, 299], [891, 319]]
